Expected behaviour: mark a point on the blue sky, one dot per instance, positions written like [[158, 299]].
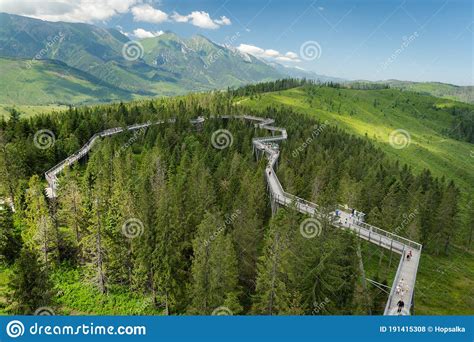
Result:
[[418, 40]]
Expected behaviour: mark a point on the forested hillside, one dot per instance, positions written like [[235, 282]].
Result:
[[161, 222], [436, 133], [47, 81], [449, 91]]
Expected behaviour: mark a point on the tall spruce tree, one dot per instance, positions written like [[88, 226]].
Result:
[[214, 269], [272, 295], [39, 233]]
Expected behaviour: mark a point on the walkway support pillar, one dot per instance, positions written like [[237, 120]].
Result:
[[273, 204], [364, 281]]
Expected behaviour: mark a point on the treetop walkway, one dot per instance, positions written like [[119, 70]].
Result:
[[403, 286]]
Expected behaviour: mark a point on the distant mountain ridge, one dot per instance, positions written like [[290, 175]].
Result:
[[97, 68], [169, 64]]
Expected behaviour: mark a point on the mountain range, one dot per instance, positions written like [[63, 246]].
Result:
[[74, 63], [44, 63]]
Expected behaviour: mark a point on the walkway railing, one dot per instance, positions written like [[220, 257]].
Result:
[[51, 174], [277, 193], [392, 236]]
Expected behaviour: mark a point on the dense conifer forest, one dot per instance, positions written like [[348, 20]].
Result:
[[158, 221]]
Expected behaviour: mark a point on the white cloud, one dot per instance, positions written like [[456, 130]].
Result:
[[269, 53], [201, 19], [272, 53], [251, 49], [286, 59], [141, 33], [68, 10], [148, 14], [89, 11], [223, 21], [292, 55], [179, 18]]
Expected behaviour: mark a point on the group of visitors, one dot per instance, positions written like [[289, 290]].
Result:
[[401, 289]]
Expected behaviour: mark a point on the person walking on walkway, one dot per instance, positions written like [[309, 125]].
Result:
[[401, 282], [400, 305]]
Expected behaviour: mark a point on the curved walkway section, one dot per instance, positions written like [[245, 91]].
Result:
[[403, 286]]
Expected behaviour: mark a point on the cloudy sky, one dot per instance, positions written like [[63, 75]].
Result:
[[419, 40]]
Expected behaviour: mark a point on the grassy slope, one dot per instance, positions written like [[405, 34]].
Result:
[[428, 148], [45, 82], [445, 284], [449, 91], [27, 110]]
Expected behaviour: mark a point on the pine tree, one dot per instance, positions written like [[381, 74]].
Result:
[[29, 286], [71, 209], [247, 233], [272, 294], [447, 220], [168, 268], [152, 189], [39, 233], [94, 244], [11, 167], [10, 238], [214, 268]]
